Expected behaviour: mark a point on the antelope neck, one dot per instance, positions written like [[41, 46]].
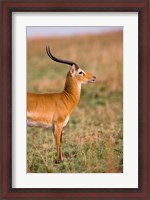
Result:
[[72, 89]]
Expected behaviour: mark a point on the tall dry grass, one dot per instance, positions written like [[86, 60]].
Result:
[[93, 138]]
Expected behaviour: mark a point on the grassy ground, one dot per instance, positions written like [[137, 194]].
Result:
[[93, 138]]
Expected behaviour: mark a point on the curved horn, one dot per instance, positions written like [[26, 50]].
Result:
[[60, 60]]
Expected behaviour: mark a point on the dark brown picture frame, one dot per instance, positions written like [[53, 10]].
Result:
[[10, 6]]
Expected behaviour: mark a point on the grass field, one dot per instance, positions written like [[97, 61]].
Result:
[[93, 138]]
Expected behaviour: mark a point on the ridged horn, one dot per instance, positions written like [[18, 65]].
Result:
[[60, 60]]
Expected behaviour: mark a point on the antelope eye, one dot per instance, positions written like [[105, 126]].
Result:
[[80, 72]]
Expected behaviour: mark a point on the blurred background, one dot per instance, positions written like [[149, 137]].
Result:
[[93, 138]]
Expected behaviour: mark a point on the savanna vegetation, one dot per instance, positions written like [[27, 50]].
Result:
[[93, 138]]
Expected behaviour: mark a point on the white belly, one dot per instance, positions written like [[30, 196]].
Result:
[[41, 124], [66, 121], [32, 123]]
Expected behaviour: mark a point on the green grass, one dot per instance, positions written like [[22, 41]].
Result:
[[93, 137]]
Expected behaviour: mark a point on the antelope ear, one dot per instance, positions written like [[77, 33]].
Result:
[[72, 70]]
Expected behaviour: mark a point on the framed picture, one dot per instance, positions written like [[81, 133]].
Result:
[[99, 145]]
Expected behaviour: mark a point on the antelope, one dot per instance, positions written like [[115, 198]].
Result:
[[52, 110]]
